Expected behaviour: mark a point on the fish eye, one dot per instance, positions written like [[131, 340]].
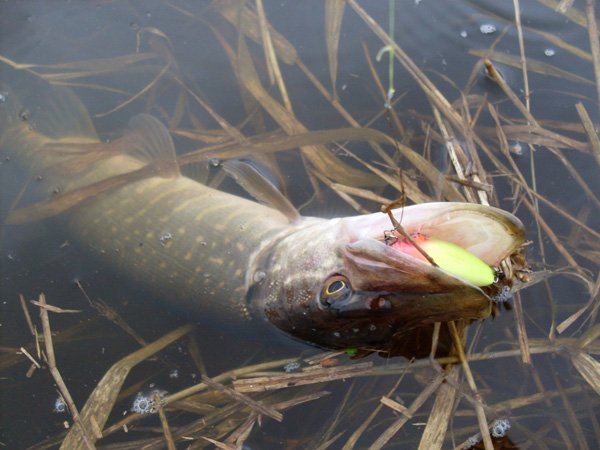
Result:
[[335, 288]]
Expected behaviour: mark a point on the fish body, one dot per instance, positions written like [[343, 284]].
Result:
[[331, 282]]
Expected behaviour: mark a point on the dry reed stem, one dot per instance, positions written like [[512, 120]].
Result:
[[139, 94], [521, 330], [239, 436], [384, 95], [517, 9], [238, 396], [54, 309], [451, 145], [564, 5], [31, 358], [576, 426], [389, 433], [218, 444], [164, 423], [483, 425], [340, 109], [440, 416], [432, 92], [592, 26], [26, 314], [270, 56], [318, 375], [334, 12], [358, 432], [590, 130], [573, 14], [325, 445], [320, 158], [102, 399], [398, 407], [326, 437], [51, 361], [246, 21]]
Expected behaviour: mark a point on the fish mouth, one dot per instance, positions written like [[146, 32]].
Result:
[[489, 233], [409, 291]]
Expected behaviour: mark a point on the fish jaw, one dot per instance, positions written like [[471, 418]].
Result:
[[488, 233], [338, 283]]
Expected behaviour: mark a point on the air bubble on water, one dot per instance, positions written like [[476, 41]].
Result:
[[464, 34], [372, 327], [259, 276], [174, 374], [336, 334], [24, 115], [59, 406], [503, 296], [500, 428], [549, 52], [165, 237], [487, 28], [291, 366], [214, 162], [142, 404], [516, 148], [145, 404], [472, 441]]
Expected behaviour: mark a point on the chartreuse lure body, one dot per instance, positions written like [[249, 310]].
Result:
[[450, 257]]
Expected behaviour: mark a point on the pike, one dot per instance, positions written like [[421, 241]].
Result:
[[337, 283]]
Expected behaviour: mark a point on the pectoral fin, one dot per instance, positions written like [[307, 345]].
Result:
[[260, 188]]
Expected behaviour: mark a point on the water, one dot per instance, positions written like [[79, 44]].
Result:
[[442, 41]]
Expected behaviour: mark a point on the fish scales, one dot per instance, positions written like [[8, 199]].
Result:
[[146, 228], [211, 237]]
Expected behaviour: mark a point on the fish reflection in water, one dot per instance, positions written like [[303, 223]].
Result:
[[335, 283]]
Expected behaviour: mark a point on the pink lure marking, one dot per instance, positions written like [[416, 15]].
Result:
[[405, 246]]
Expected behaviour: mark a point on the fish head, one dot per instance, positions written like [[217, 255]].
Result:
[[341, 284]]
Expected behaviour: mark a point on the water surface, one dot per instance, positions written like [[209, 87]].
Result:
[[446, 41]]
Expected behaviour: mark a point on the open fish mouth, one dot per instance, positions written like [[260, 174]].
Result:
[[489, 233], [410, 288]]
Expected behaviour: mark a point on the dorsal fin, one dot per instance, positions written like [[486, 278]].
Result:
[[260, 188], [153, 144], [147, 139]]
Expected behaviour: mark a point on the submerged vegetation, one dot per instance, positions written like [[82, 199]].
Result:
[[530, 378]]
